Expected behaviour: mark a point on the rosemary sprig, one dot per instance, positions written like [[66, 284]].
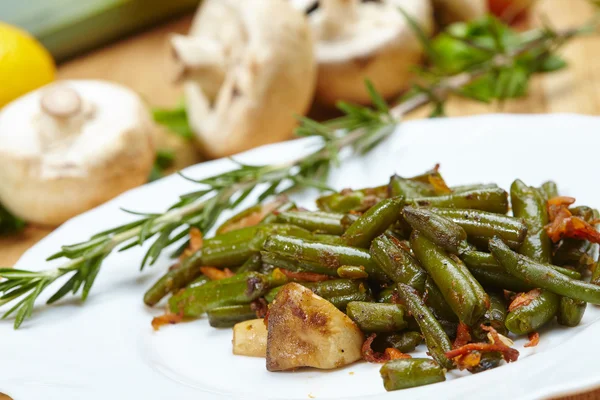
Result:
[[489, 62]]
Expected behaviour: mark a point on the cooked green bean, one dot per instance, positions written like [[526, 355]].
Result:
[[352, 272], [596, 273], [292, 264], [373, 222], [489, 360], [377, 317], [272, 216], [175, 279], [543, 276], [328, 255], [314, 221], [401, 341], [483, 242], [254, 263], [397, 263], [498, 279], [478, 259], [435, 300], [438, 229], [228, 316], [528, 204], [477, 186], [495, 316], [199, 281], [387, 295], [549, 189], [436, 339], [570, 312], [352, 200], [410, 372], [573, 252], [529, 317], [339, 292], [483, 224], [493, 200], [409, 189], [463, 293], [239, 289]]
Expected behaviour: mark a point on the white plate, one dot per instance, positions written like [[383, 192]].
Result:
[[106, 348]]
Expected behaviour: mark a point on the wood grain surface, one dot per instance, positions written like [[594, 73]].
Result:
[[143, 62]]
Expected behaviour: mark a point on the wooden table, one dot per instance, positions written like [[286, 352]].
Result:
[[143, 63]]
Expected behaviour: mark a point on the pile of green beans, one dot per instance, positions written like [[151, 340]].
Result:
[[407, 261]]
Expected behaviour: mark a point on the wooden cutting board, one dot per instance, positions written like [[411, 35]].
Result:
[[143, 63]]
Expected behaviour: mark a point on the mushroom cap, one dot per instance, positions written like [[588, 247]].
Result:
[[449, 11], [262, 51], [372, 41], [53, 167]]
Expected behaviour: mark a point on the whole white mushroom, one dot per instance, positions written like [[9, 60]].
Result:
[[357, 41], [248, 70], [71, 146]]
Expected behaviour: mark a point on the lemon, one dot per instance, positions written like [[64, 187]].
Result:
[[25, 64]]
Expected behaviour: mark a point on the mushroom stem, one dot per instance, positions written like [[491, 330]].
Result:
[[198, 52], [60, 102], [338, 17]]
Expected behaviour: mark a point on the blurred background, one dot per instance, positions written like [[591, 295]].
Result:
[[207, 80]]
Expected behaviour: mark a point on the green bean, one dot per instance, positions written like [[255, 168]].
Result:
[[462, 292], [399, 186], [570, 312], [543, 276], [439, 230], [404, 342], [435, 300], [232, 248], [410, 372], [373, 222], [483, 224], [348, 219], [487, 261], [498, 279], [489, 360], [573, 252], [239, 289], [387, 295], [228, 316], [377, 317], [492, 200], [328, 255], [352, 272], [596, 273], [254, 263], [352, 200], [325, 238], [272, 216], [436, 339], [314, 221], [528, 204], [495, 317], [548, 190], [483, 242], [199, 281], [529, 317], [397, 263], [339, 292], [449, 327], [477, 186], [292, 264], [175, 279]]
